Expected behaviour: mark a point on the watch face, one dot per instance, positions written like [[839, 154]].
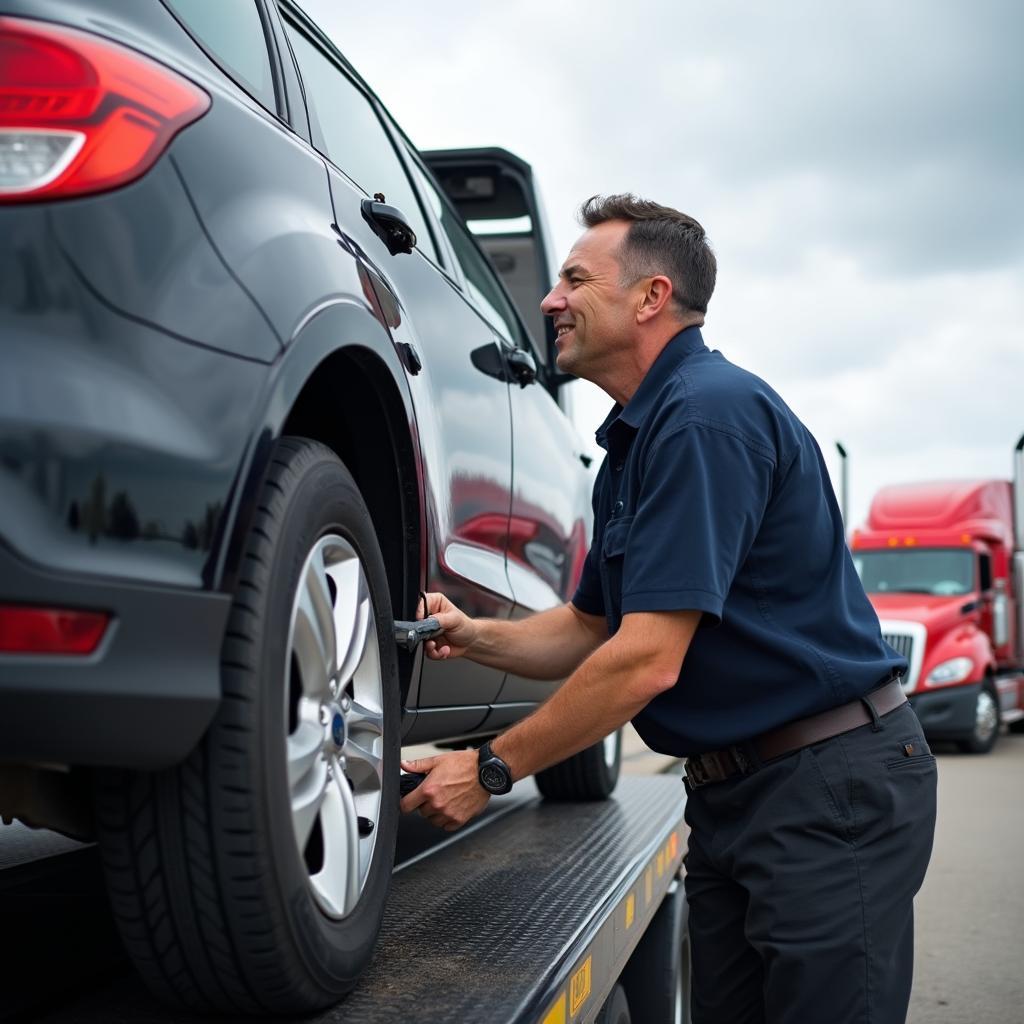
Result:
[[493, 777]]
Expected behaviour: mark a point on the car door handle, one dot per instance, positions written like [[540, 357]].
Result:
[[521, 365], [389, 225]]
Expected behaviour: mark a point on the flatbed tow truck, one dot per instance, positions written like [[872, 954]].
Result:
[[540, 913]]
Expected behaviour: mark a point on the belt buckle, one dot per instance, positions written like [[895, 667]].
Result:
[[741, 760]]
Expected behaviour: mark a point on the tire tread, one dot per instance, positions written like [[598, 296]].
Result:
[[190, 949], [584, 776]]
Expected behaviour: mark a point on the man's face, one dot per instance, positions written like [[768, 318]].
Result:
[[592, 312]]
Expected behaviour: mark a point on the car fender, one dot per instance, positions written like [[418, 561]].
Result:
[[338, 324]]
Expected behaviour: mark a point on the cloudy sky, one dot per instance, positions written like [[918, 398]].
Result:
[[858, 167]]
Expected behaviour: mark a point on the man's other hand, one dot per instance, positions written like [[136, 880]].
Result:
[[451, 793], [459, 629]]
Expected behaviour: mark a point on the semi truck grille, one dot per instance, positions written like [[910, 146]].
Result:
[[903, 645], [907, 639]]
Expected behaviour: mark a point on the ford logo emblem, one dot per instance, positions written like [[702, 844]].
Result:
[[338, 729]]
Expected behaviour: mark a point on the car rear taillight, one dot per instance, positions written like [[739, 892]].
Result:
[[25, 630], [81, 114]]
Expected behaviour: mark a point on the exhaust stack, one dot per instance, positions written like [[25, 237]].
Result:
[[1018, 494], [844, 483], [1018, 544]]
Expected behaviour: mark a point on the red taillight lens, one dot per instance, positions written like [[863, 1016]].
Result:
[[50, 630], [81, 114]]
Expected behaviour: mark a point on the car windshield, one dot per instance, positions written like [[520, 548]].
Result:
[[938, 571]]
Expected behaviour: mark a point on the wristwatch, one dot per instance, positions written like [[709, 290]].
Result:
[[493, 773]]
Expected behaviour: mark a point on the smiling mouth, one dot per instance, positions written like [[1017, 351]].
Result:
[[564, 329]]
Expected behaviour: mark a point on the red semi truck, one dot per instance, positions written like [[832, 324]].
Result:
[[943, 566]]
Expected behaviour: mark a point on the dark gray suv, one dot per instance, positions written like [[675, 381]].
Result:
[[260, 386]]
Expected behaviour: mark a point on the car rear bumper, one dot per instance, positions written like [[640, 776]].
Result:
[[949, 713], [143, 699]]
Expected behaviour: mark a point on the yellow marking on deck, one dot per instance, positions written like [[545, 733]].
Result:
[[579, 987], [630, 909], [661, 863], [648, 886], [673, 844], [556, 1015]]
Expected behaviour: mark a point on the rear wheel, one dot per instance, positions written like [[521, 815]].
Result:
[[615, 1009], [657, 977], [986, 721], [252, 878], [589, 775]]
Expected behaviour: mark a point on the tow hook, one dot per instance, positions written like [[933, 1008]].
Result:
[[409, 635]]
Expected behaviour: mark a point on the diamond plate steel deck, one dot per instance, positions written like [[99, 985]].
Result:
[[482, 928], [21, 845], [474, 932]]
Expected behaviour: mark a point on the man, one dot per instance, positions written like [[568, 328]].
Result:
[[719, 610]]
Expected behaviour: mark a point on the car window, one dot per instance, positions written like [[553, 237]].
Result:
[[347, 130], [232, 31], [481, 280]]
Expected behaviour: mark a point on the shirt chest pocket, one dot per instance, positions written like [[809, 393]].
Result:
[[613, 557]]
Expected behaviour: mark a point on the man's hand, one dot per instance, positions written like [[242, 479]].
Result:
[[451, 793], [459, 629]]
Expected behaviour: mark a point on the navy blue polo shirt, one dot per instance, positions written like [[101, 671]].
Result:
[[714, 497]]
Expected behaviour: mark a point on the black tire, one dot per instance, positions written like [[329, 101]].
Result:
[[657, 977], [984, 735], [213, 898], [615, 1009], [589, 775]]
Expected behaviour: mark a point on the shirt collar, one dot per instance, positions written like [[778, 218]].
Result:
[[684, 344]]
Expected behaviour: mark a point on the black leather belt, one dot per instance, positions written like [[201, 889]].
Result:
[[746, 758]]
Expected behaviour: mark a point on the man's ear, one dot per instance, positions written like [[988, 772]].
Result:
[[656, 296]]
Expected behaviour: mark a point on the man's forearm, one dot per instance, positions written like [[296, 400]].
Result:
[[548, 645], [604, 693]]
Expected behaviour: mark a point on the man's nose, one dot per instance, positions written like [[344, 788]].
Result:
[[552, 302]]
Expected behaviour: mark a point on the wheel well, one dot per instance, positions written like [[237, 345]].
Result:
[[351, 404]]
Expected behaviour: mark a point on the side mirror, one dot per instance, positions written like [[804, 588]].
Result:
[[389, 225], [522, 366]]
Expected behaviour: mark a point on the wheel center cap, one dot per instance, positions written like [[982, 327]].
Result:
[[336, 725]]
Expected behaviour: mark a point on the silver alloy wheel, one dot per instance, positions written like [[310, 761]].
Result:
[[611, 747], [334, 717], [986, 716]]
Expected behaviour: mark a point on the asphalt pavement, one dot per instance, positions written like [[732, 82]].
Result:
[[969, 966]]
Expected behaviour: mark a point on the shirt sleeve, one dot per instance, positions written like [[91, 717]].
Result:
[[589, 597], [701, 502]]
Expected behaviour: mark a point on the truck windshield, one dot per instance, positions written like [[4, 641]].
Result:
[[938, 571]]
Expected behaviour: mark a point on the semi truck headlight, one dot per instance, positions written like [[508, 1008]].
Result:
[[956, 670]]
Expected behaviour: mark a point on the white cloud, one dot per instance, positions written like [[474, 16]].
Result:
[[857, 167]]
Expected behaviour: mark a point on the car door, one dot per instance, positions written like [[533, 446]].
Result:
[[463, 418], [550, 523]]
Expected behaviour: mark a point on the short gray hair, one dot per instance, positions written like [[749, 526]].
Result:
[[660, 240]]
